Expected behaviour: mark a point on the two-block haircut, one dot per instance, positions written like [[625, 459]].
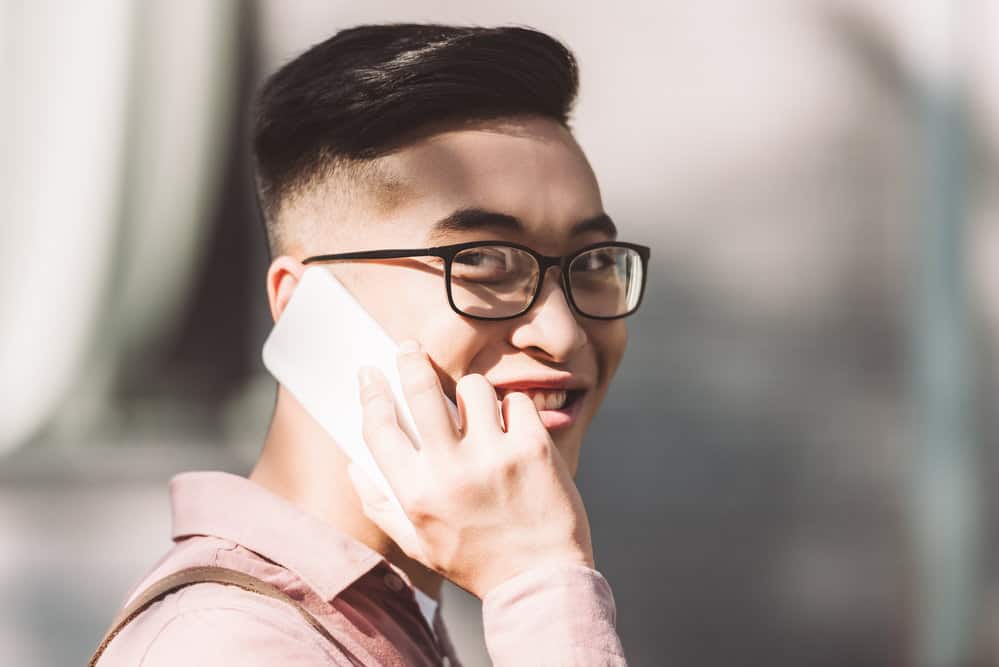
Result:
[[359, 95]]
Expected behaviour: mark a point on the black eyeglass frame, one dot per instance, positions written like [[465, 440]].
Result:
[[448, 252]]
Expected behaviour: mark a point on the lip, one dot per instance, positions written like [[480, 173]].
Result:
[[567, 382], [552, 419]]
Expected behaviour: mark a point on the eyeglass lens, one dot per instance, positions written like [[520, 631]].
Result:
[[499, 281]]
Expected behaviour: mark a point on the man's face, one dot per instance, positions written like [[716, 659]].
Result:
[[531, 169]]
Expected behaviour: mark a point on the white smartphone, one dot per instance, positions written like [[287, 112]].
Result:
[[318, 344]]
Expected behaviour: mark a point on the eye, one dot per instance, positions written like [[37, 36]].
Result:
[[489, 264], [481, 257], [595, 260]]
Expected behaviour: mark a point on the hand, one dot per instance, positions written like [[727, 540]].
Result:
[[485, 503]]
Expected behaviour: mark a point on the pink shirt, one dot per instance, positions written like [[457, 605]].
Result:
[[560, 615]]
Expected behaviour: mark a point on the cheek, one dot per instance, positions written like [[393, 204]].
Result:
[[400, 297], [411, 303], [609, 340], [455, 346]]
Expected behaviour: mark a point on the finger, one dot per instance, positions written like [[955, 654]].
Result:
[[426, 400], [392, 450], [478, 405], [383, 512], [521, 415]]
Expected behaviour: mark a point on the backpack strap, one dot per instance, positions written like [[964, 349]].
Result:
[[212, 574]]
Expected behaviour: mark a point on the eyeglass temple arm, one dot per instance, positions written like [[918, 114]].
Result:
[[376, 254]]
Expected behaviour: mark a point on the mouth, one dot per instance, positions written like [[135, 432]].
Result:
[[557, 407]]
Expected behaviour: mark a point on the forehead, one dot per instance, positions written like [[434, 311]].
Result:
[[529, 169]]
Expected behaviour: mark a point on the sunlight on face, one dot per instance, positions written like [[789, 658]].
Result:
[[526, 168]]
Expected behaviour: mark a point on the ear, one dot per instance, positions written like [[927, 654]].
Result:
[[282, 279]]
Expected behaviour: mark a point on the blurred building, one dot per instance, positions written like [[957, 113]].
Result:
[[748, 480]]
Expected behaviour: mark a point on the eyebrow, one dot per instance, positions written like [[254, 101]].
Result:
[[471, 219]]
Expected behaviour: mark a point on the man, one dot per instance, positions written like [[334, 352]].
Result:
[[455, 140]]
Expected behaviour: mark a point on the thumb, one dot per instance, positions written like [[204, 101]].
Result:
[[384, 513]]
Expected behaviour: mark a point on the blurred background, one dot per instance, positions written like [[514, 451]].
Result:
[[795, 465]]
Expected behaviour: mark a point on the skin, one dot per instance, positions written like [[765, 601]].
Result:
[[526, 166]]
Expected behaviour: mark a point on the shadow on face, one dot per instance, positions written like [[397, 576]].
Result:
[[524, 180]]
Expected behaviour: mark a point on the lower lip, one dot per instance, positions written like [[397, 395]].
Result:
[[557, 419]]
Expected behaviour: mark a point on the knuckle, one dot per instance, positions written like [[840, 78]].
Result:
[[449, 491], [370, 394], [419, 507], [534, 448], [464, 488], [508, 467]]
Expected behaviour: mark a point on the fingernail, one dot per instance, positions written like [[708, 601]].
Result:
[[409, 346], [365, 376]]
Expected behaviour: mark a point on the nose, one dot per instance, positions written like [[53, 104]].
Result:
[[550, 326]]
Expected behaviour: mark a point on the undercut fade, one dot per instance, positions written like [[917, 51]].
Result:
[[366, 91]]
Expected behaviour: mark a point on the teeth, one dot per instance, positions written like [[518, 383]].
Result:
[[548, 399]]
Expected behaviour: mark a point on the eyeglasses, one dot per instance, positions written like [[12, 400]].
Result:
[[500, 280]]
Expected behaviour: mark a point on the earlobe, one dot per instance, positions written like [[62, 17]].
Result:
[[282, 279]]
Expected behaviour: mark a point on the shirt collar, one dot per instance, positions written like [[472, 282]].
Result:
[[236, 508]]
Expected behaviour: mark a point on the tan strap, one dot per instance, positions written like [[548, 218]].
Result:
[[211, 574]]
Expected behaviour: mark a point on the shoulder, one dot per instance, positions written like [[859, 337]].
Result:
[[214, 624]]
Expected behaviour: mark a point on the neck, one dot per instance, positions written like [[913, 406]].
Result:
[[301, 463]]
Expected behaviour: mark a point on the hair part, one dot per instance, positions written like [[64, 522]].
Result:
[[325, 118]]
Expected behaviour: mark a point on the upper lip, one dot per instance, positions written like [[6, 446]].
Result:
[[565, 382]]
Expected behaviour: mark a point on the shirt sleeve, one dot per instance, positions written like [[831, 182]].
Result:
[[557, 616]]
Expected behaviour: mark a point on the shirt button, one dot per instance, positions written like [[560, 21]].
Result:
[[393, 582]]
